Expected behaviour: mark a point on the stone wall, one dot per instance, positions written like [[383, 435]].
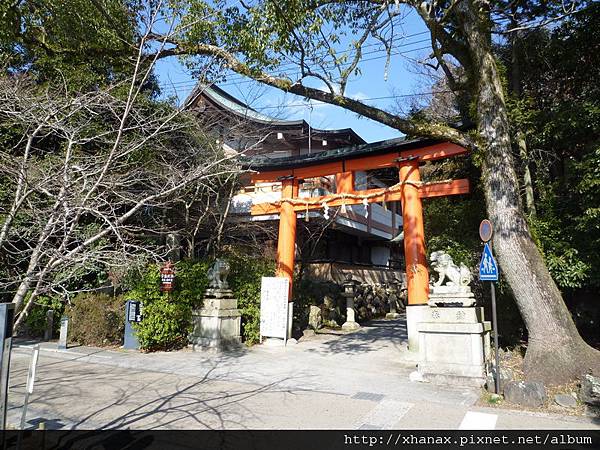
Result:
[[371, 301]]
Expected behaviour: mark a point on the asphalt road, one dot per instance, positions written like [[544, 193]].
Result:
[[357, 381]]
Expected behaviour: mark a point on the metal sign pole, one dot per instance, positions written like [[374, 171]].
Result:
[[495, 324], [488, 270], [28, 390], [496, 348], [30, 382]]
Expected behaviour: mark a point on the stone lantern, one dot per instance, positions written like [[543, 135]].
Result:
[[394, 296], [350, 292]]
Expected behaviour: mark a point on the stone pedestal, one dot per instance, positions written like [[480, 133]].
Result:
[[350, 324], [454, 345], [451, 296], [414, 315], [217, 325]]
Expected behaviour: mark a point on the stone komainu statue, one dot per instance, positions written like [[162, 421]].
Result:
[[217, 275], [442, 263]]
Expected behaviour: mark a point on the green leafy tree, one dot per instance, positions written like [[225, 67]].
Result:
[[78, 42], [558, 111]]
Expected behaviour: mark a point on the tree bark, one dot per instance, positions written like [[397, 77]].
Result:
[[556, 352], [520, 139], [527, 183]]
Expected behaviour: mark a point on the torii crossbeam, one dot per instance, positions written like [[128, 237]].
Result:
[[405, 155]]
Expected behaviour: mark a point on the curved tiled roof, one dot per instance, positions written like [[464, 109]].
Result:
[[241, 109], [264, 163]]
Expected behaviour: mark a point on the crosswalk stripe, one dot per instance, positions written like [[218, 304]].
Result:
[[385, 415], [478, 421]]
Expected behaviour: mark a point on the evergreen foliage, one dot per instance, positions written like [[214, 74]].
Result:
[[559, 109], [96, 319], [166, 320], [79, 43], [36, 321]]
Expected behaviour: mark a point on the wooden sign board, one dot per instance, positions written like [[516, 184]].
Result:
[[274, 307]]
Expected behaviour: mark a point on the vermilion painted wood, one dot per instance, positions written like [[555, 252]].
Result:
[[319, 170], [344, 182], [410, 195], [417, 275], [455, 187], [286, 243], [267, 177], [429, 153], [373, 162]]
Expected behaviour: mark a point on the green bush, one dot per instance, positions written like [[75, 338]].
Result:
[[165, 324], [35, 322], [167, 316], [191, 282], [166, 320], [245, 280], [96, 319]]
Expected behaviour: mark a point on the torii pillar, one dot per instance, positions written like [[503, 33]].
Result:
[[417, 275], [286, 243], [410, 194]]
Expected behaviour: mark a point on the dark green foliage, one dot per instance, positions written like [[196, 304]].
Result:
[[77, 42], [559, 110], [245, 280], [452, 223], [165, 324], [167, 317], [96, 319], [191, 282], [35, 322]]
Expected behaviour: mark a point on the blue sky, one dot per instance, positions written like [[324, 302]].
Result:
[[402, 80]]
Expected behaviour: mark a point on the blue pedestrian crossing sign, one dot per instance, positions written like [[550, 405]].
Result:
[[488, 269]]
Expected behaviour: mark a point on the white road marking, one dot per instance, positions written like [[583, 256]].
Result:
[[385, 415], [478, 421]]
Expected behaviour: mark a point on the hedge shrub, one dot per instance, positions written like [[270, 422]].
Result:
[[245, 280], [96, 319], [166, 320], [35, 323]]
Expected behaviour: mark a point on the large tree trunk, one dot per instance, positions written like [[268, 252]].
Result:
[[521, 142], [556, 353]]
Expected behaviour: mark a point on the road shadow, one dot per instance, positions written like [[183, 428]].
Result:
[[123, 398]]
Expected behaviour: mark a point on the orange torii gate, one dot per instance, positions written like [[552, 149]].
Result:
[[406, 155]]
